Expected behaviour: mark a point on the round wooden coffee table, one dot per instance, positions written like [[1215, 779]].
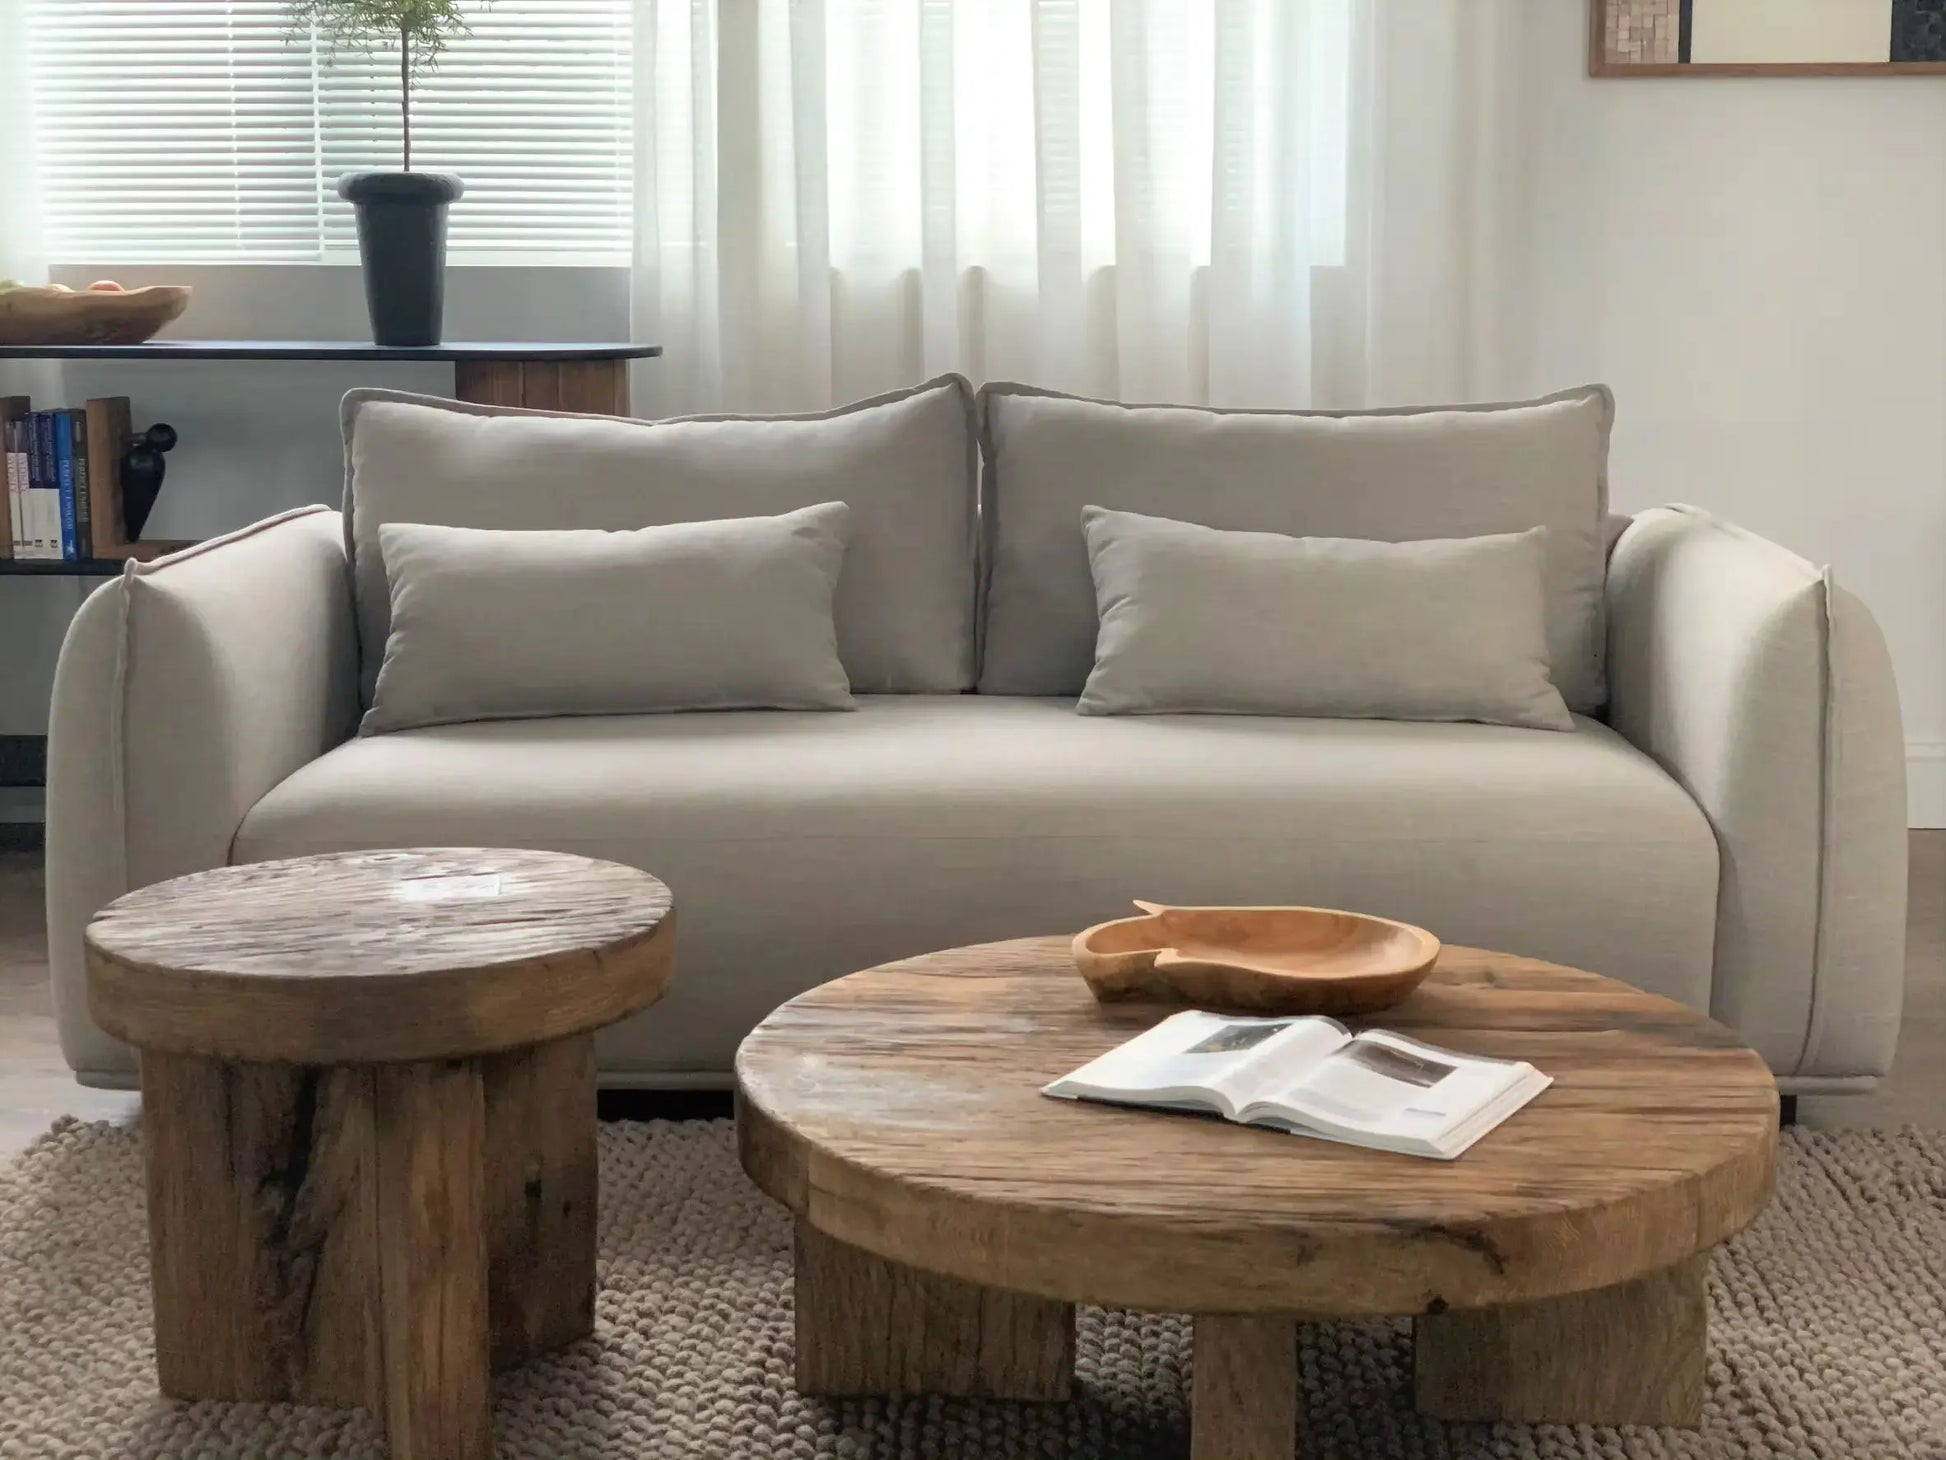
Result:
[[948, 1215], [368, 1111]]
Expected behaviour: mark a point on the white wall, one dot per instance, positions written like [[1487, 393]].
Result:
[[1758, 267], [260, 437]]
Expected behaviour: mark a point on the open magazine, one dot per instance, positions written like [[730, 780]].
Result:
[[1311, 1077]]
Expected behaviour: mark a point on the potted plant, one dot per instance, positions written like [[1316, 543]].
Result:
[[401, 215]]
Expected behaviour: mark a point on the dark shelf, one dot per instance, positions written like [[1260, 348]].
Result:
[[23, 761], [52, 568], [329, 350]]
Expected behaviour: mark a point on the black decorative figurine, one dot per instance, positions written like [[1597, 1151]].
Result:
[[142, 472]]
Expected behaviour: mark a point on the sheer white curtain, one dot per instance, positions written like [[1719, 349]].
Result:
[[1149, 199], [21, 253], [20, 215], [20, 237]]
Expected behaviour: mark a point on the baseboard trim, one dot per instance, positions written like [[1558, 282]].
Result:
[[1925, 783]]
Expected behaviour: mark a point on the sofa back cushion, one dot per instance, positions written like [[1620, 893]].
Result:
[[903, 463], [1196, 620], [732, 615], [1392, 476]]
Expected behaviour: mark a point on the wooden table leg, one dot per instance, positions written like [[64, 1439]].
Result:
[[1630, 1354], [432, 1258], [868, 1326], [260, 1230], [540, 1197], [1243, 1387]]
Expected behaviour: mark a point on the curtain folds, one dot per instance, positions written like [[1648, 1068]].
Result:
[[1147, 199], [22, 255], [20, 235]]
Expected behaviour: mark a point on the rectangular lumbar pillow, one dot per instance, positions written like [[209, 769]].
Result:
[[1194, 619], [1390, 476], [732, 615], [904, 463]]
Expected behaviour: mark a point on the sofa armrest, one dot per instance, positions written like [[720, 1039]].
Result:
[[1767, 692], [185, 690]]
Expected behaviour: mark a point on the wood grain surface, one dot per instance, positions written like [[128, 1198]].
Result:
[[1272, 960], [262, 1245], [368, 1083], [867, 1326], [359, 957], [540, 1196], [489, 382], [109, 431], [1634, 1354], [1243, 1387], [897, 1110], [432, 1261], [597, 387], [43, 315]]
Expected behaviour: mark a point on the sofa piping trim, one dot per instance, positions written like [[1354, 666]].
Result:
[[136, 569], [1828, 768], [1827, 716]]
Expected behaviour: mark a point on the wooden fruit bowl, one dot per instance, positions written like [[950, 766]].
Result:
[[1274, 960], [40, 316]]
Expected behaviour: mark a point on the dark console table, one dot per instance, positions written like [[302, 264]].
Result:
[[548, 377]]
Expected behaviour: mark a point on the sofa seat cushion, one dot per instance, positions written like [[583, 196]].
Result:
[[802, 846]]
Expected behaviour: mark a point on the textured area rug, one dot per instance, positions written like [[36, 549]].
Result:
[[1829, 1336]]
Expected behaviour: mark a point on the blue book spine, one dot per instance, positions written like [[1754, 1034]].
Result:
[[64, 464], [84, 538], [50, 482], [30, 506]]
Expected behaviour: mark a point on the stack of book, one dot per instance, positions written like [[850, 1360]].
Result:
[[49, 505]]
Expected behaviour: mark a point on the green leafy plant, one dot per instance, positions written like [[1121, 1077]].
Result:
[[420, 29]]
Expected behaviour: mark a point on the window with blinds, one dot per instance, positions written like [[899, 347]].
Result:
[[208, 131]]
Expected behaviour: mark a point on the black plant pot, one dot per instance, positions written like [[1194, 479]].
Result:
[[402, 242]]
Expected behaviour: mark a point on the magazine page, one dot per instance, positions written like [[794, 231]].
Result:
[[1385, 1084], [1236, 1059]]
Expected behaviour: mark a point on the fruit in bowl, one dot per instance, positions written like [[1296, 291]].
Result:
[[102, 314]]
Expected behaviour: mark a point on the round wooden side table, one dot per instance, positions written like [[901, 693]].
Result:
[[368, 1112], [949, 1216]]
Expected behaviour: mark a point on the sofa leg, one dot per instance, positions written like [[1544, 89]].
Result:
[[1786, 1111]]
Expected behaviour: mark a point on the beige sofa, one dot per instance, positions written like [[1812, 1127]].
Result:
[[1727, 828]]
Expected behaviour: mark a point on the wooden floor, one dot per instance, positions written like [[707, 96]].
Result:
[[35, 1086]]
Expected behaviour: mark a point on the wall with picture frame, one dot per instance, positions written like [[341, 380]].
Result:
[[1767, 38]]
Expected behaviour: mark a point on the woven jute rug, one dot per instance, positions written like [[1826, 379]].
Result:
[[1828, 1336]]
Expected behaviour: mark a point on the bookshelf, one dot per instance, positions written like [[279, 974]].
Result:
[[585, 377], [582, 377]]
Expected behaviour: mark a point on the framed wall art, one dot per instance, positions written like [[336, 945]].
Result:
[[1767, 38]]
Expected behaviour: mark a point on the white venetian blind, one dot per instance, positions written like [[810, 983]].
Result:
[[207, 131]]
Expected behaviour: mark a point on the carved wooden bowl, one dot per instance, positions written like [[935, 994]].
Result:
[[1274, 960], [36, 316]]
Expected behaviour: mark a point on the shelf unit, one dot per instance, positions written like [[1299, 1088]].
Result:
[[49, 568], [455, 352], [580, 377]]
